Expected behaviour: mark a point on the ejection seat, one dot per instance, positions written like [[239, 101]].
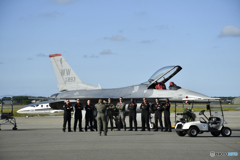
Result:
[[173, 86], [160, 85]]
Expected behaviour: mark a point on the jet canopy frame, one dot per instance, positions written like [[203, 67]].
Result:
[[164, 74]]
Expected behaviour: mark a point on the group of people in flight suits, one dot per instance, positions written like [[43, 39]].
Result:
[[103, 112]]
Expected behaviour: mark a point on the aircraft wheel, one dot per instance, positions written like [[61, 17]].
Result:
[[193, 132], [181, 133], [226, 132], [152, 125], [215, 134]]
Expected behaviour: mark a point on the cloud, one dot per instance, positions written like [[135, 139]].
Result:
[[121, 31], [142, 28], [230, 31], [30, 59], [44, 15], [115, 38], [148, 41], [50, 14], [91, 56], [64, 1], [106, 52], [41, 55], [142, 13], [162, 27]]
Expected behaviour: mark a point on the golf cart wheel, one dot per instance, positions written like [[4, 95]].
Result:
[[226, 132], [181, 133], [192, 132], [215, 134], [152, 125]]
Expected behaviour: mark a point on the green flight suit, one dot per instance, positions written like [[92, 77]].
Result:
[[101, 109], [121, 115], [110, 112]]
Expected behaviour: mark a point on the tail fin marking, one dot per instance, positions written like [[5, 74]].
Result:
[[67, 78]]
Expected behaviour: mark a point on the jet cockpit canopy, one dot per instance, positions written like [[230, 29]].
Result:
[[164, 74]]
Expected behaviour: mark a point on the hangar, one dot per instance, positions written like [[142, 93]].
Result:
[[236, 100]]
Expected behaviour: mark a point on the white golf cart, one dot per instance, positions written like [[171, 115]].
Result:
[[213, 124]]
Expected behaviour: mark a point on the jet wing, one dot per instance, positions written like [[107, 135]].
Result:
[[185, 99], [197, 100], [46, 99]]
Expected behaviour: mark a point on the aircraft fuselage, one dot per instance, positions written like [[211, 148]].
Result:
[[135, 91]]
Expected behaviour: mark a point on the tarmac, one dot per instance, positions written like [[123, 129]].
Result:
[[42, 138]]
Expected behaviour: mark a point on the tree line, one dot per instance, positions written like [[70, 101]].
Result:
[[20, 99]]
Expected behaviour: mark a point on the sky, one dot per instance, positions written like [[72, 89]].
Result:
[[118, 43]]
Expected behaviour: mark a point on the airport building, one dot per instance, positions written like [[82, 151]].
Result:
[[8, 102]]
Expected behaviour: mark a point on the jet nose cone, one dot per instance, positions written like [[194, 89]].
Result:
[[19, 111], [23, 110], [196, 96]]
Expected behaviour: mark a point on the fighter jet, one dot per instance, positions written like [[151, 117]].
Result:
[[71, 87]]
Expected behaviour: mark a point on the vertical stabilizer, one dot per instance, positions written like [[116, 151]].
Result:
[[67, 78]]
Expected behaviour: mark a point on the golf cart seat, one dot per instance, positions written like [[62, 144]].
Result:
[[214, 122]]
